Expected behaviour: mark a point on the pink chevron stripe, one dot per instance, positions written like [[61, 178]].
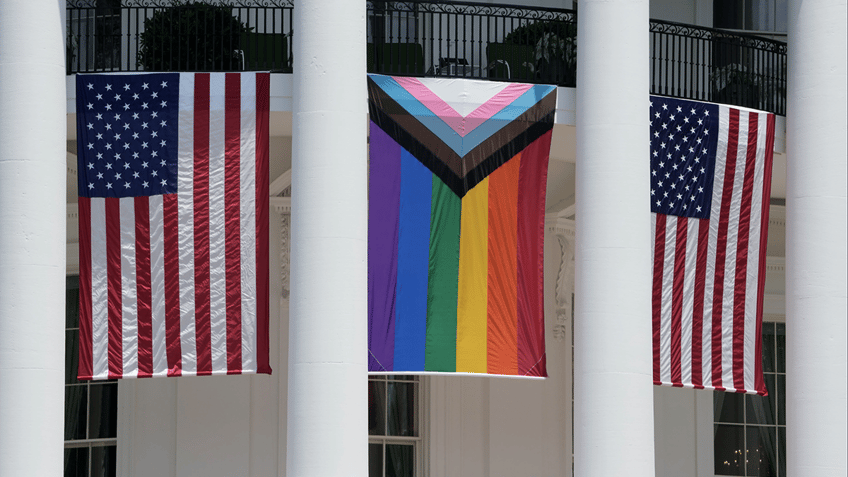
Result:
[[462, 125]]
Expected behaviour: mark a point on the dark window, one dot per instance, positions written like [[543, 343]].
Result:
[[750, 431], [91, 407]]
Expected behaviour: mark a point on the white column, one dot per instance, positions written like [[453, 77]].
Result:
[[32, 236], [613, 385], [816, 311], [327, 402]]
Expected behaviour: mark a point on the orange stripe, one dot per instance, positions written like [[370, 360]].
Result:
[[503, 269]]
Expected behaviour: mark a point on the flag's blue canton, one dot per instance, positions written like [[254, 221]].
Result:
[[684, 135], [127, 134]]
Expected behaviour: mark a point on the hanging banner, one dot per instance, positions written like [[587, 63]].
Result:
[[458, 171]]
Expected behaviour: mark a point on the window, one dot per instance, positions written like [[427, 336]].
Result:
[[750, 431], [752, 15], [394, 426], [91, 407]]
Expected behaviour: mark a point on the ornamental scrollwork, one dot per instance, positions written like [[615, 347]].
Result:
[[170, 3]]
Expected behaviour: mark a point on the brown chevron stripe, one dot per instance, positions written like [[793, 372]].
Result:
[[459, 173]]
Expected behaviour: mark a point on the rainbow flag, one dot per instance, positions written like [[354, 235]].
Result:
[[457, 182]]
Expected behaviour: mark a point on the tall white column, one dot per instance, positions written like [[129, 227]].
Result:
[[613, 384], [327, 401], [32, 236], [816, 311]]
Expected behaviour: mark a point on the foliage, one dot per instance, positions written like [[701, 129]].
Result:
[[554, 46], [191, 36], [532, 33]]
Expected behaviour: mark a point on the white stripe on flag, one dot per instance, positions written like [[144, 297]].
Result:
[[185, 212], [730, 261], [129, 299], [688, 301], [754, 227], [710, 277], [99, 292], [248, 222], [667, 290], [217, 235], [157, 285]]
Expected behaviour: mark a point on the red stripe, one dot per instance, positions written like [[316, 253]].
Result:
[[698, 310], [142, 273], [114, 291], [656, 299], [232, 218], [759, 383], [721, 243], [263, 81], [744, 228], [532, 180], [203, 322], [85, 337], [172, 284], [677, 299]]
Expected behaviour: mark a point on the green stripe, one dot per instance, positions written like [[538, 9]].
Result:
[[445, 210]]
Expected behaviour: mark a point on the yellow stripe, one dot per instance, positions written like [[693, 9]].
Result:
[[473, 281]]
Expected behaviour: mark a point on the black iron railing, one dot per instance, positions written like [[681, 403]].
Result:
[[155, 35], [473, 40], [713, 65], [419, 38]]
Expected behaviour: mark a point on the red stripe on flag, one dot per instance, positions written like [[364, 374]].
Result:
[[656, 299], [759, 383], [532, 179], [172, 284], [232, 218], [744, 228], [263, 81], [698, 309], [113, 280], [721, 244], [85, 336], [677, 299], [143, 291], [203, 324]]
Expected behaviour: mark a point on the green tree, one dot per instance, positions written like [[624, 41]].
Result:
[[191, 36]]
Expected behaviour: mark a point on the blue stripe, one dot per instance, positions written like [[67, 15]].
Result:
[[413, 264], [504, 117]]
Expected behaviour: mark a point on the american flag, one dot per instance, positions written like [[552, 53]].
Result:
[[173, 222], [710, 187]]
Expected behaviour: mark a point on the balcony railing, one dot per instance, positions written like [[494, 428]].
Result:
[[713, 65], [420, 38]]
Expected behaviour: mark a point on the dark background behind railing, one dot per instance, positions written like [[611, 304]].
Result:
[[419, 38]]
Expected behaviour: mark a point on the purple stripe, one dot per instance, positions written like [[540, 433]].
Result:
[[383, 219]]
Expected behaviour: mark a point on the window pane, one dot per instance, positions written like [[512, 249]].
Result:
[[400, 460], [76, 462], [103, 461], [103, 419], [760, 409], [729, 449], [71, 356], [402, 409], [781, 399], [727, 407], [401, 377], [781, 450], [375, 460], [75, 411], [768, 347], [376, 408], [780, 331], [761, 454], [72, 302]]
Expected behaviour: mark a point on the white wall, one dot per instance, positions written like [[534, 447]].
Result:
[[213, 425]]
